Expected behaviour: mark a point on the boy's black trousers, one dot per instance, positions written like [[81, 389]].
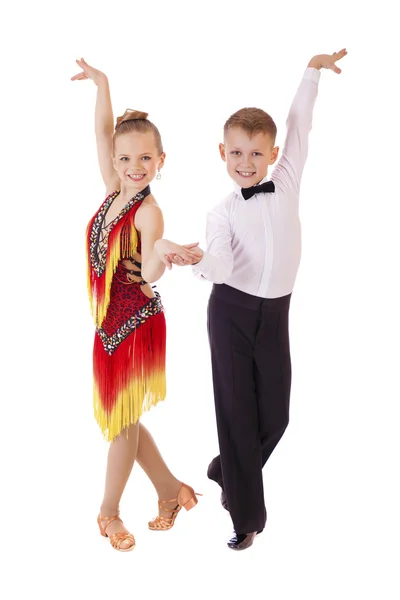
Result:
[[251, 366]]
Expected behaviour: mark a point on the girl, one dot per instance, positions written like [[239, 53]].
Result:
[[126, 253]]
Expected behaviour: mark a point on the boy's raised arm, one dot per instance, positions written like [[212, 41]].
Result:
[[289, 169]]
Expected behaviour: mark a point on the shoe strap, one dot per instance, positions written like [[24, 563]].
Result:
[[116, 539], [109, 520], [171, 510], [161, 502], [167, 520]]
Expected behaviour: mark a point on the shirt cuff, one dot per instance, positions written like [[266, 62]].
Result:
[[204, 266], [312, 74]]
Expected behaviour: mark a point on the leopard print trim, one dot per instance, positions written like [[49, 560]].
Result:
[[111, 343], [98, 256]]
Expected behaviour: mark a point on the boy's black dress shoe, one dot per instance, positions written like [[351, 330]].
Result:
[[242, 541], [225, 505]]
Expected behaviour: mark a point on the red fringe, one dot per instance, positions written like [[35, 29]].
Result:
[[120, 234], [135, 365]]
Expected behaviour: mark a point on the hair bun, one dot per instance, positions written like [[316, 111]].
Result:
[[131, 115]]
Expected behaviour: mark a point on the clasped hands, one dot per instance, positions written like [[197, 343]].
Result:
[[174, 254]]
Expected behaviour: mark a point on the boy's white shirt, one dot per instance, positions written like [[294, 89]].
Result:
[[255, 245]]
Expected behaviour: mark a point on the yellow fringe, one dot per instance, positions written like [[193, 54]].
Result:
[[117, 250], [88, 274], [132, 402]]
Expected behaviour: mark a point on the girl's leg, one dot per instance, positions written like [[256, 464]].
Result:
[[121, 457], [151, 461]]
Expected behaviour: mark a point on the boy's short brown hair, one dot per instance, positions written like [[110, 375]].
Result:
[[253, 121]]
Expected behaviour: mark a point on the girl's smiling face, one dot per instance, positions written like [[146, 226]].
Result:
[[136, 159]]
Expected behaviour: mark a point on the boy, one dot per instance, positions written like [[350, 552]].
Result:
[[253, 255]]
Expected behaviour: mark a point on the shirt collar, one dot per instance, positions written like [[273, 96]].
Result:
[[238, 189]]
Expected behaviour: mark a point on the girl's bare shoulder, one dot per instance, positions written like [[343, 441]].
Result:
[[148, 210]]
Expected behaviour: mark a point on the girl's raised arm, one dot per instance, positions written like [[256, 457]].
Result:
[[104, 123]]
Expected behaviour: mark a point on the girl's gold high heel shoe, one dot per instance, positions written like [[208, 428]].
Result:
[[186, 499], [116, 539]]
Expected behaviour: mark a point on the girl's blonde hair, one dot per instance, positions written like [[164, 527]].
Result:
[[135, 120]]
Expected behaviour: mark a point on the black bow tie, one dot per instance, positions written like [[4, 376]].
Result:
[[267, 188]]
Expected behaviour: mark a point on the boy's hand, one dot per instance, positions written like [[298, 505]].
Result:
[[327, 61], [195, 253], [165, 249], [88, 72]]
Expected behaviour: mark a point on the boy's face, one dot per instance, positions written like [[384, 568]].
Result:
[[247, 158]]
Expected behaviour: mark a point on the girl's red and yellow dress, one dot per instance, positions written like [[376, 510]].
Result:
[[130, 339]]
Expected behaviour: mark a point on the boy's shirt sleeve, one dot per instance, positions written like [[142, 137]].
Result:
[[288, 171], [217, 262]]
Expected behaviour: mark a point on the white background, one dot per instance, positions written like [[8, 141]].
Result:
[[332, 484]]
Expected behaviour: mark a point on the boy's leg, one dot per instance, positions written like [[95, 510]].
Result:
[[232, 333], [273, 373]]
